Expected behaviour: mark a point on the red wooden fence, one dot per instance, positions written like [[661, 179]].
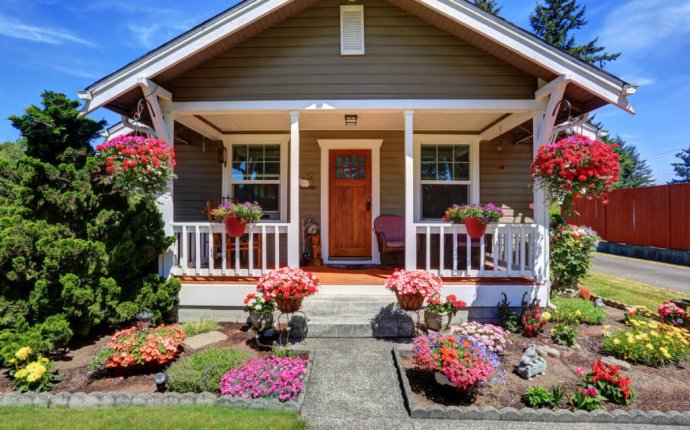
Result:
[[651, 216]]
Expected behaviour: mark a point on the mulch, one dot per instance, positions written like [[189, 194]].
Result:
[[658, 388]]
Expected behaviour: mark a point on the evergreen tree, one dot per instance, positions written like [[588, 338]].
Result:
[[556, 20], [490, 6], [635, 172], [682, 168]]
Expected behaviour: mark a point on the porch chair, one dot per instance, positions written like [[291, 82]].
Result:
[[390, 235]]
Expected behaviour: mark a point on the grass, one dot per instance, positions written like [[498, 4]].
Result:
[[188, 417], [577, 311], [629, 292], [202, 326]]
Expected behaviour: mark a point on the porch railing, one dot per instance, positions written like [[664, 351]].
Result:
[[204, 249], [506, 250]]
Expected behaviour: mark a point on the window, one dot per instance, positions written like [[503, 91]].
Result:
[[444, 178], [352, 30], [350, 167], [255, 173]]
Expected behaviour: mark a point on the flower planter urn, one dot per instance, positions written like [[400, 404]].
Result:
[[475, 228], [437, 321], [261, 321], [288, 305], [234, 226], [410, 302]]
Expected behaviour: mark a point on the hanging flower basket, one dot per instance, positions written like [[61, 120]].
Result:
[[410, 302], [237, 215], [288, 286], [288, 305], [475, 228], [234, 226], [576, 167], [475, 217]]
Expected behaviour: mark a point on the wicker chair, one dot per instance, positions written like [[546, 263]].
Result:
[[390, 235]]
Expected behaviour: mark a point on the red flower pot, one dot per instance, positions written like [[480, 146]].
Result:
[[410, 302], [288, 305], [234, 226], [475, 228]]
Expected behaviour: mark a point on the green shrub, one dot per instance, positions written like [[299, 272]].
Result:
[[564, 334], [571, 253], [203, 370], [578, 311], [53, 334], [56, 330], [509, 318], [539, 397], [193, 328]]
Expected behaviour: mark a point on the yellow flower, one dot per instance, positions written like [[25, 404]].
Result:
[[605, 331], [649, 346], [23, 353], [616, 341], [546, 316], [578, 313], [21, 374], [43, 360], [36, 371]]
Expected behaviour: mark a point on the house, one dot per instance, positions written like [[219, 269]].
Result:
[[340, 111]]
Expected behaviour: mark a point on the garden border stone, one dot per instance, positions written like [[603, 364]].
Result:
[[82, 400], [490, 413]]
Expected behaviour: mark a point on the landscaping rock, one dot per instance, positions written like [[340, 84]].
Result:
[[599, 303], [532, 364], [612, 361], [204, 339], [547, 351]]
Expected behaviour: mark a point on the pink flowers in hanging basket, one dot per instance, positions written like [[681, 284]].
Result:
[[288, 283], [404, 282], [576, 167], [137, 164]]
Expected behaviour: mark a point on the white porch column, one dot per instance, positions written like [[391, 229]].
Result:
[[294, 228], [410, 233], [165, 202]]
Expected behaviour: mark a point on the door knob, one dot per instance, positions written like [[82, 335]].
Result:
[[368, 205]]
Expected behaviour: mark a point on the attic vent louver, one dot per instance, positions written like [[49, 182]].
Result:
[[352, 30]]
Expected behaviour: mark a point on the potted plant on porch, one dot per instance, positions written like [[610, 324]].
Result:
[[475, 217], [439, 312], [411, 287], [237, 215], [288, 286], [260, 308]]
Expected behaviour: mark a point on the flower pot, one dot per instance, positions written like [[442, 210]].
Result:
[[410, 302], [234, 226], [475, 228], [288, 305], [261, 321], [437, 321]]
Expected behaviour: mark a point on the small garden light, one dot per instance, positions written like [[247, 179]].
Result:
[[144, 318], [160, 379]]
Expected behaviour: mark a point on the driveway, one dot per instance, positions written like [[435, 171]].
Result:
[[658, 274]]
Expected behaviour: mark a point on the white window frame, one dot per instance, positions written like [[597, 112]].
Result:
[[350, 8], [445, 139], [259, 139]]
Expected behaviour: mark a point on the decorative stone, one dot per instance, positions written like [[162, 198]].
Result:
[[203, 340], [612, 361], [531, 364], [547, 351], [599, 303]]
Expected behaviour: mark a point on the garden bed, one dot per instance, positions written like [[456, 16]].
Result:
[[658, 388]]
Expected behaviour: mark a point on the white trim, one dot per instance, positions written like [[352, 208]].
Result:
[[449, 105], [293, 247], [445, 139], [260, 139], [375, 146], [349, 9], [410, 232]]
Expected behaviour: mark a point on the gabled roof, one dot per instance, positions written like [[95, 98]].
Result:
[[591, 87]]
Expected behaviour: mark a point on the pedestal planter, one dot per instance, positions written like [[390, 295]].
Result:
[[437, 321], [475, 228], [261, 321], [288, 305], [410, 302], [234, 226]]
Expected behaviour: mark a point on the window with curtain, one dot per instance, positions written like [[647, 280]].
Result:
[[444, 178]]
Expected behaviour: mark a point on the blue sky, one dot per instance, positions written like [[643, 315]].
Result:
[[66, 45]]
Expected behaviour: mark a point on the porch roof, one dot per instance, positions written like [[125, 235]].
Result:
[[589, 87]]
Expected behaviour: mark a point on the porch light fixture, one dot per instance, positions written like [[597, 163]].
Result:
[[350, 120], [223, 155]]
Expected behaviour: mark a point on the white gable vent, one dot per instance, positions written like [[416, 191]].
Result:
[[352, 30]]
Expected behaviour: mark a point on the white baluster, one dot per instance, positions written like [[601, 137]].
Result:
[[468, 253], [197, 249], [251, 250], [522, 250], [455, 250], [495, 249], [224, 250], [509, 249], [185, 251], [237, 255], [428, 248], [276, 256], [211, 251], [441, 250], [481, 256], [263, 248]]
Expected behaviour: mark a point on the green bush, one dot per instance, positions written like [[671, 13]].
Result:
[[578, 311], [45, 338], [202, 371], [193, 328], [539, 397], [564, 334], [571, 253]]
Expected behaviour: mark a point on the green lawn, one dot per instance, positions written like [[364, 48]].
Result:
[[629, 292], [170, 418]]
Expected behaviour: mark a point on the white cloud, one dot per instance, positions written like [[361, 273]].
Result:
[[52, 36], [75, 71], [641, 24], [155, 33], [641, 80]]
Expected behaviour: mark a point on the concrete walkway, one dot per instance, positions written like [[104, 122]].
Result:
[[354, 385], [658, 274]]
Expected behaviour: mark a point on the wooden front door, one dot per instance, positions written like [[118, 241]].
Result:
[[349, 183]]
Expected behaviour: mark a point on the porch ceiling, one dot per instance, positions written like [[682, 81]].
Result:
[[238, 122]]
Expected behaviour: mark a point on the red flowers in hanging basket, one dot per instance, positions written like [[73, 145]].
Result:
[[576, 167]]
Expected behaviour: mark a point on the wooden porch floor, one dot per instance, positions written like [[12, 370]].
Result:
[[364, 277]]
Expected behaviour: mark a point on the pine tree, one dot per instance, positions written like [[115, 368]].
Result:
[[682, 168], [490, 6], [635, 172], [556, 20]]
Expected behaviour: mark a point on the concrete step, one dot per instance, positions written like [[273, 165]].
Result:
[[364, 305]]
